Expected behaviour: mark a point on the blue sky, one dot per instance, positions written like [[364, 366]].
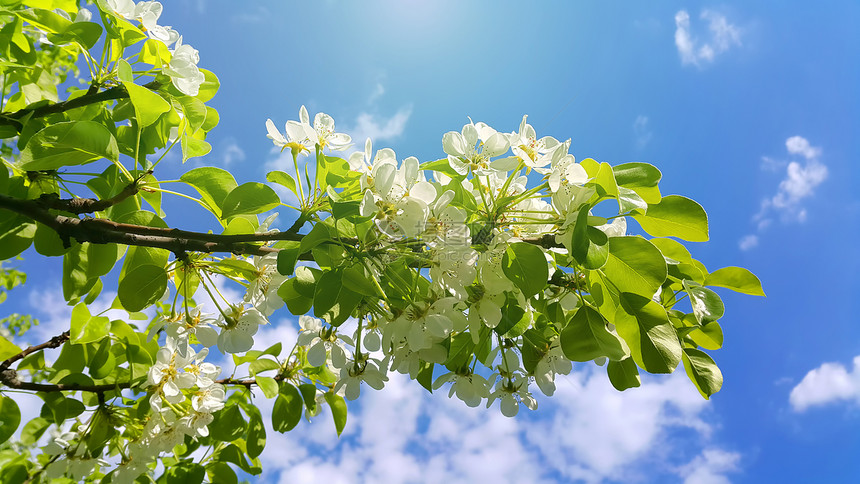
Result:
[[750, 108]]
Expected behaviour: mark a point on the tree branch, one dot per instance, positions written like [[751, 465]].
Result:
[[101, 231], [78, 206], [54, 342], [9, 377], [116, 92]]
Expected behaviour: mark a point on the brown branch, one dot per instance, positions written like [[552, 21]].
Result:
[[54, 342], [117, 92], [101, 231], [9, 377], [78, 206]]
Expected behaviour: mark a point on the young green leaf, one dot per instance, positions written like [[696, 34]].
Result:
[[338, 410], [675, 216], [526, 266], [737, 279], [66, 144], [702, 371], [650, 336], [287, 410], [586, 337]]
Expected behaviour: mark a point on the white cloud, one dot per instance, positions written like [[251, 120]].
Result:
[[641, 132], [723, 36], [748, 242], [800, 181], [252, 16], [378, 91], [232, 152], [378, 128], [798, 145], [710, 466], [587, 432], [829, 383]]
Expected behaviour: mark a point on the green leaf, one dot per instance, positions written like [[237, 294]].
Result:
[[635, 265], [123, 71], [737, 279], [332, 300], [649, 334], [284, 179], [291, 292], [442, 166], [589, 244], [261, 365], [141, 287], [309, 394], [102, 363], [235, 455], [287, 410], [240, 225], [68, 143], [675, 216], [267, 385], [355, 279], [221, 472], [10, 418], [193, 147], [319, 233], [708, 336], [194, 112], [630, 201], [87, 328], [33, 430], [707, 305], [212, 183], [287, 257], [7, 348], [256, 435], [702, 371], [586, 337], [155, 52], [250, 198], [623, 374], [16, 239], [338, 410], [641, 178], [605, 182], [209, 86], [47, 242], [148, 105], [526, 266], [186, 473], [228, 425], [346, 209]]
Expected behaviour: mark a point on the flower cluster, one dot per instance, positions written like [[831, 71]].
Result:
[[182, 67], [184, 397], [426, 218]]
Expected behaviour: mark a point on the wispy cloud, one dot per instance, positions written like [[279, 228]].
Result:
[[587, 432], [231, 152], [710, 467], [254, 15], [829, 383], [748, 242], [378, 91], [801, 179], [379, 128], [722, 36], [641, 131]]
